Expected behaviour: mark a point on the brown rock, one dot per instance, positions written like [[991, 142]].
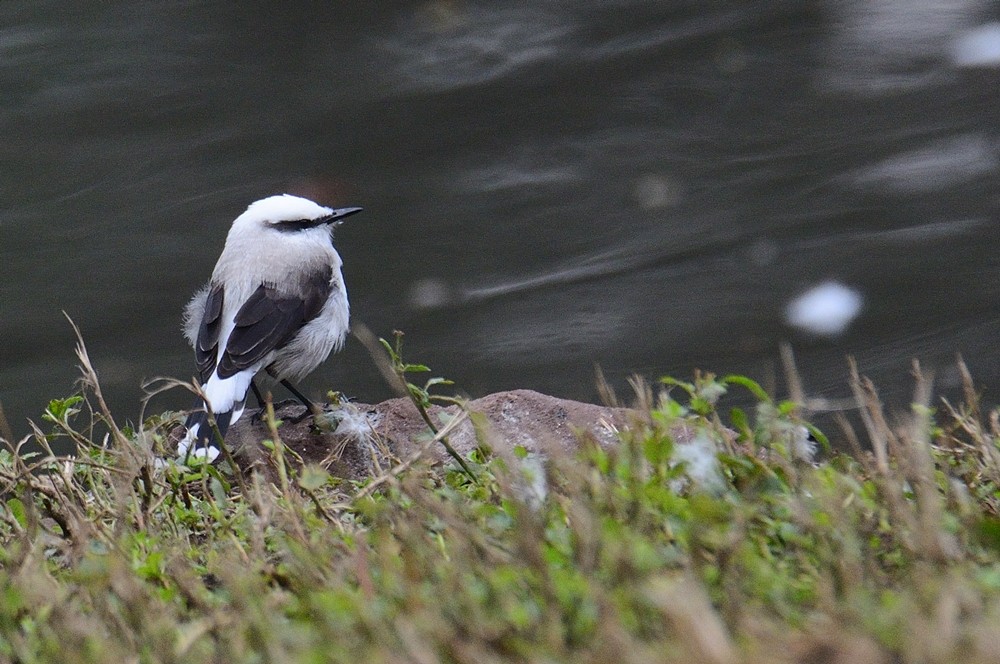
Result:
[[362, 438]]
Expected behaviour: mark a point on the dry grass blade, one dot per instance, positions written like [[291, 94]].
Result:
[[871, 415], [371, 343], [971, 397], [690, 612], [972, 422], [920, 460], [796, 392], [605, 391], [853, 442], [644, 399], [88, 377], [886, 446]]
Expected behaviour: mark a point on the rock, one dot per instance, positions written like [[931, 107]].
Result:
[[362, 438]]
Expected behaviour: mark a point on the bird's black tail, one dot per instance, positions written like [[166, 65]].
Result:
[[200, 432]]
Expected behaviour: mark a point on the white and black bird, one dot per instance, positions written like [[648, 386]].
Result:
[[276, 301]]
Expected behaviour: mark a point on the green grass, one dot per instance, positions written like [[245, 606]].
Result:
[[888, 555]]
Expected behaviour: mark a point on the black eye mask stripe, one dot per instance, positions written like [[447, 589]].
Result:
[[300, 224], [294, 225]]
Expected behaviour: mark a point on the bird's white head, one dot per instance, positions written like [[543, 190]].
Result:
[[290, 214]]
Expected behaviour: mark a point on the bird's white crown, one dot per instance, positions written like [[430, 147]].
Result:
[[283, 207]]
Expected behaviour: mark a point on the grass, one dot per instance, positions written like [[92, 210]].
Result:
[[740, 549]]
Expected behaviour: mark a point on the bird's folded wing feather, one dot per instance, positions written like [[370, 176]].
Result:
[[269, 319], [207, 345]]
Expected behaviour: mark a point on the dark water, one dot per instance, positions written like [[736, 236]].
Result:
[[547, 187]]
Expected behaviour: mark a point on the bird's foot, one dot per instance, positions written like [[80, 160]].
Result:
[[298, 418], [257, 416]]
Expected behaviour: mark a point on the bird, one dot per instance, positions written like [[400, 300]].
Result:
[[276, 301]]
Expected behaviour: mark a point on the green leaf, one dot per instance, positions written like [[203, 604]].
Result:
[[60, 410], [670, 410], [673, 382], [742, 425], [787, 408], [701, 405], [18, 511], [419, 395], [313, 477], [437, 381], [820, 437], [389, 349], [988, 532], [752, 385], [482, 428], [218, 486]]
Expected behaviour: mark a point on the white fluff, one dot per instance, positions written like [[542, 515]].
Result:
[[802, 448], [533, 487], [826, 309], [192, 315], [701, 465], [353, 423]]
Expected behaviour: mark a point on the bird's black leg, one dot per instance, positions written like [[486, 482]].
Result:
[[303, 399], [256, 393], [259, 414], [310, 406]]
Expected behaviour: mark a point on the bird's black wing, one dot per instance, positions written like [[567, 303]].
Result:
[[268, 320], [207, 345]]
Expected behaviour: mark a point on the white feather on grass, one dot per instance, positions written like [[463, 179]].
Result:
[[701, 465]]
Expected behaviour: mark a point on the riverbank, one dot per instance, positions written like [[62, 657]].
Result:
[[669, 531]]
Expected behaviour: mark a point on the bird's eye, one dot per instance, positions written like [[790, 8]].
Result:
[[293, 225]]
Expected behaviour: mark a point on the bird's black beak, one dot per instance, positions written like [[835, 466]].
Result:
[[340, 214]]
